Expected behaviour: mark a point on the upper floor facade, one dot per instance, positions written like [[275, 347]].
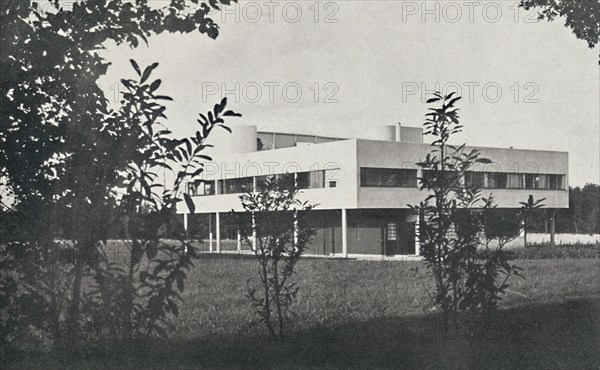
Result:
[[379, 172]]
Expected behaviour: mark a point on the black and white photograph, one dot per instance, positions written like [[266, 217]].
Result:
[[300, 184]]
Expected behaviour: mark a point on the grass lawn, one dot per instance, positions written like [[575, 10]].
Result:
[[367, 314]]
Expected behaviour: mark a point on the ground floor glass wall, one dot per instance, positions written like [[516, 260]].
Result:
[[369, 231]]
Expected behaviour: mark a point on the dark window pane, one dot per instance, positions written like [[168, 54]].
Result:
[[200, 188], [561, 182], [239, 185], [320, 139], [431, 177], [370, 177], [388, 177], [305, 139], [264, 141], [552, 182], [530, 181], [542, 181], [492, 180], [495, 180], [284, 141], [474, 179], [285, 177], [261, 180], [502, 181], [556, 182], [192, 188], [469, 178], [478, 179], [514, 181], [209, 188], [313, 180], [408, 178], [303, 180]]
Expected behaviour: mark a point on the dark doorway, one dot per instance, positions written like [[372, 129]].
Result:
[[399, 238], [407, 238]]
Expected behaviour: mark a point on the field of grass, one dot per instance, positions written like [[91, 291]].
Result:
[[366, 314]]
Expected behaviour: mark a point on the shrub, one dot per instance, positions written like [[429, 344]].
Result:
[[278, 243], [470, 271], [114, 299]]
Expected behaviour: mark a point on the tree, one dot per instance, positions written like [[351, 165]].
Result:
[[454, 220], [52, 108], [526, 210], [278, 242], [62, 149], [580, 218], [584, 211], [142, 292], [581, 16]]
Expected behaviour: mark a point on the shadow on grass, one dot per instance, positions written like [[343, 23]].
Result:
[[552, 335]]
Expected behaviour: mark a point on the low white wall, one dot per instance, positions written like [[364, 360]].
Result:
[[559, 239], [564, 238]]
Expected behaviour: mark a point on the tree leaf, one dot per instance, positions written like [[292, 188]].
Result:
[[231, 113], [148, 71], [136, 67], [151, 250], [155, 85], [180, 278]]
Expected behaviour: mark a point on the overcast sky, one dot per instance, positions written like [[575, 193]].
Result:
[[338, 68]]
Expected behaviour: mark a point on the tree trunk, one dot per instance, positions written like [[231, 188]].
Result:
[[128, 311], [552, 227], [267, 306], [74, 306], [278, 302], [525, 232]]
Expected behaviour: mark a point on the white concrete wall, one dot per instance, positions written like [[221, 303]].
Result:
[[339, 155], [348, 156], [563, 239], [404, 155]]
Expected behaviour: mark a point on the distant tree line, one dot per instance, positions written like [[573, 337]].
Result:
[[582, 216]]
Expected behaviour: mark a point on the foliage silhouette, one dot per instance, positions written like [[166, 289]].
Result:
[[470, 270], [64, 150], [278, 241], [580, 218], [526, 209], [581, 16]]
